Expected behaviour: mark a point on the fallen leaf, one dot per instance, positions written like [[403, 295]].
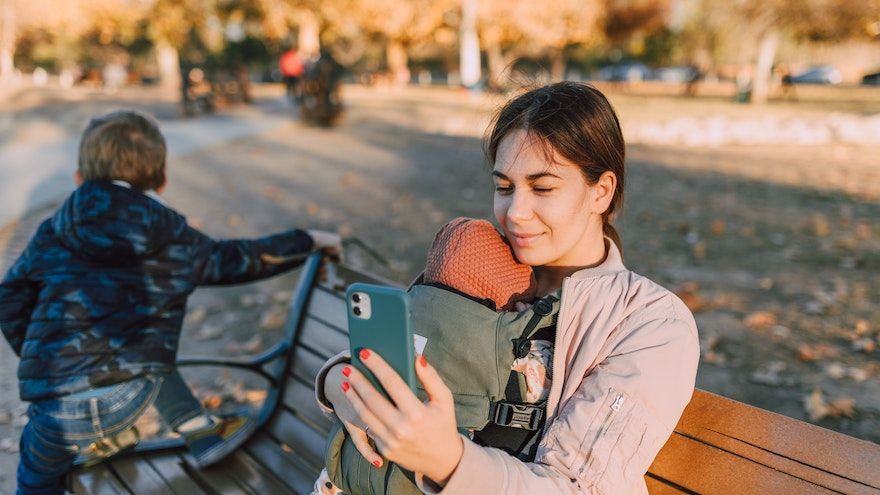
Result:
[[699, 250], [805, 353], [835, 370], [212, 401], [273, 319], [208, 332], [719, 227], [254, 299], [282, 296], [845, 406], [864, 345], [286, 448], [255, 396], [858, 374], [820, 225], [760, 319], [196, 315], [862, 327], [815, 405], [348, 179], [312, 209], [863, 231], [688, 292], [5, 417]]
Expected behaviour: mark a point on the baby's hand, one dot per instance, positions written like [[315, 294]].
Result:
[[521, 306]]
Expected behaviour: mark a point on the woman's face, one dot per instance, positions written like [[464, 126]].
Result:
[[545, 208]]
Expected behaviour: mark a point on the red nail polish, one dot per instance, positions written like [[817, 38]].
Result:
[[365, 354], [377, 463], [346, 371], [423, 361], [345, 386]]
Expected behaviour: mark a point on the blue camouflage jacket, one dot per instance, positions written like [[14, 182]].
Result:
[[99, 294]]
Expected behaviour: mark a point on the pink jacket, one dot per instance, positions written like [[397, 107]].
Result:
[[627, 353]]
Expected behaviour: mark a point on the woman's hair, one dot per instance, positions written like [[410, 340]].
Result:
[[574, 120], [123, 145]]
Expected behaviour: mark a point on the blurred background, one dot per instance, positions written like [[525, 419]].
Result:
[[753, 131]]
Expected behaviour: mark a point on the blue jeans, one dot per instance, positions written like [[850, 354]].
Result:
[[59, 428]]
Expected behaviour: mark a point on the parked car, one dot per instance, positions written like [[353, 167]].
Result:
[[871, 79], [823, 74], [676, 74], [624, 72]]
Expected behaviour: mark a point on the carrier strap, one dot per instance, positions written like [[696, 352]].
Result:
[[541, 309]]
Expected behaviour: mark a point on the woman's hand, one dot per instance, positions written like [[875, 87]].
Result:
[[333, 381], [420, 437]]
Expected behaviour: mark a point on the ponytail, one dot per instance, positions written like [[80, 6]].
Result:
[[610, 232]]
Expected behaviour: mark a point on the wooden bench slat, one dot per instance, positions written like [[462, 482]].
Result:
[[303, 441], [218, 478], [326, 341], [329, 307], [663, 487], [296, 476], [249, 473], [170, 466], [710, 470], [300, 397], [807, 451], [99, 480], [305, 364], [139, 477]]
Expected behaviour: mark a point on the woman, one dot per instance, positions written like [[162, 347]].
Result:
[[625, 351]]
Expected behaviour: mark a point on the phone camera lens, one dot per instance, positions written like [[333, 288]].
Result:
[[356, 310], [356, 298]]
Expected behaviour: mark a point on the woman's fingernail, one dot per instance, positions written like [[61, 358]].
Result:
[[365, 354], [423, 361], [346, 371], [345, 386], [377, 463]]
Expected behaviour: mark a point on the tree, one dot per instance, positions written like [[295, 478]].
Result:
[[554, 25], [401, 23], [810, 20]]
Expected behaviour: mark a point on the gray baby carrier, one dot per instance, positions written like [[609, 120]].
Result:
[[473, 347]]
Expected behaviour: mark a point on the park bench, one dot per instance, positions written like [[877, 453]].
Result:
[[719, 446]]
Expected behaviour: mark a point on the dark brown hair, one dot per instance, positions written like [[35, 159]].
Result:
[[123, 145], [574, 120]]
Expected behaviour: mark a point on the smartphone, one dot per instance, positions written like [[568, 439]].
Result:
[[379, 319]]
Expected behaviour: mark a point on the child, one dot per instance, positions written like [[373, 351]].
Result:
[[95, 303], [470, 258]]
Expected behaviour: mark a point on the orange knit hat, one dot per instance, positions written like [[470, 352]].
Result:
[[470, 256]]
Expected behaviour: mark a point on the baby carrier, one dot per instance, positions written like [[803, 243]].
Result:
[[473, 348]]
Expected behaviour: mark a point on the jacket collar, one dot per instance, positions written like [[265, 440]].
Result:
[[613, 263]]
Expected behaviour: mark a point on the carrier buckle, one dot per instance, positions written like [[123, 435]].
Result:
[[514, 415]]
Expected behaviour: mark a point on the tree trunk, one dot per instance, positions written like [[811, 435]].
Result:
[[557, 64], [309, 38], [7, 42], [169, 65], [398, 62], [470, 65], [764, 66], [497, 66]]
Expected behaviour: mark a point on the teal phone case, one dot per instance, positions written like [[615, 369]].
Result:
[[387, 331]]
